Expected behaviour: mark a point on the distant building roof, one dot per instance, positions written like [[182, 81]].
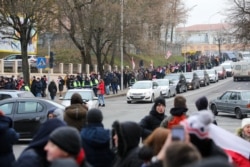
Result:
[[204, 27]]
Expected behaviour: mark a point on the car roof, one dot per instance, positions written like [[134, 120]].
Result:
[[235, 90], [79, 90]]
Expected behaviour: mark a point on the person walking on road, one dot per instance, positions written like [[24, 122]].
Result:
[[101, 92]]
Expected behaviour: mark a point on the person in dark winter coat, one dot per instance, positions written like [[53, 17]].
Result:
[[34, 154], [202, 104], [75, 114], [8, 137], [178, 113], [38, 87], [96, 140], [52, 88], [126, 138], [155, 117], [33, 86]]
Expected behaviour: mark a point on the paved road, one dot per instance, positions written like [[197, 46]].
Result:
[[118, 109]]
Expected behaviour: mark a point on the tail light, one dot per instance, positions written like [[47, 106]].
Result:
[[248, 105]]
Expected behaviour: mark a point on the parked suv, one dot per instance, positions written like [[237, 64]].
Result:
[[204, 77], [9, 60], [179, 81]]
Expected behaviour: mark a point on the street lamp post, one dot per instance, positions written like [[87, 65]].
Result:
[[122, 10], [209, 36], [49, 36]]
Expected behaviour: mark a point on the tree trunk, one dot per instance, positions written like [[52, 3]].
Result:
[[25, 64]]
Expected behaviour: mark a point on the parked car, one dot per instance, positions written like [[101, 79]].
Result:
[[229, 55], [145, 91], [232, 101], [167, 87], [5, 94], [88, 97], [28, 113], [228, 67], [221, 72], [179, 81], [193, 81], [204, 77], [213, 75], [9, 60]]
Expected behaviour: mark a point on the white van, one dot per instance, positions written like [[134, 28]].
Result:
[[241, 70], [244, 55]]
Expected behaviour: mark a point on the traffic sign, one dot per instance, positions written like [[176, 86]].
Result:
[[41, 62]]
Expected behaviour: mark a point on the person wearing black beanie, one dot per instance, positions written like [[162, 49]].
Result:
[[96, 140], [155, 117]]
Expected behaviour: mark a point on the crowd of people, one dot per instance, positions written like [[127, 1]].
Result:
[[79, 139]]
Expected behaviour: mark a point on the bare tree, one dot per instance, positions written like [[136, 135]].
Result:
[[20, 20], [239, 17]]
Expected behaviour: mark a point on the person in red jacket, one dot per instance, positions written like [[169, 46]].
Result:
[[101, 92]]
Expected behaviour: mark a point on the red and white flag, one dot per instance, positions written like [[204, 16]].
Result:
[[133, 63], [168, 54], [237, 148]]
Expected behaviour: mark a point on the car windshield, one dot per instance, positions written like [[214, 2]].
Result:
[[142, 85], [189, 76], [86, 95], [200, 73], [245, 95], [163, 82], [25, 94], [172, 77], [227, 66], [210, 71]]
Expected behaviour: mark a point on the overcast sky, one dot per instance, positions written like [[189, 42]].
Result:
[[206, 11]]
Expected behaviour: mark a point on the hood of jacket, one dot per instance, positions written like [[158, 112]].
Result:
[[95, 135], [42, 135], [76, 111], [128, 136], [5, 123], [178, 111]]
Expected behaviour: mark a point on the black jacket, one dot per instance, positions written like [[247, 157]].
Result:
[[151, 122], [128, 140]]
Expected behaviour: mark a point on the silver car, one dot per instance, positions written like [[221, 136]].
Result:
[[167, 87], [87, 95], [232, 101]]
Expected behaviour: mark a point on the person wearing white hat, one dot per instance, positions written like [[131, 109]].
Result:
[[244, 131]]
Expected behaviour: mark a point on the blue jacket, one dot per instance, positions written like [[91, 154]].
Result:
[[8, 137], [95, 142]]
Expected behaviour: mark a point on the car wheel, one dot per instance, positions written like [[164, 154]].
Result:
[[238, 113], [214, 109], [129, 102], [152, 98]]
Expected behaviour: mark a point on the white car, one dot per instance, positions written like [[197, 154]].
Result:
[[213, 75], [87, 95], [9, 60], [145, 91], [167, 87]]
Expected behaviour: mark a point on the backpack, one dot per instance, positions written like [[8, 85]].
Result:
[[175, 121]]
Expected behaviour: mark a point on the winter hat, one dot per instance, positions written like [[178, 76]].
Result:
[[94, 115], [201, 103], [244, 122], [198, 124], [67, 138], [180, 102], [159, 100]]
